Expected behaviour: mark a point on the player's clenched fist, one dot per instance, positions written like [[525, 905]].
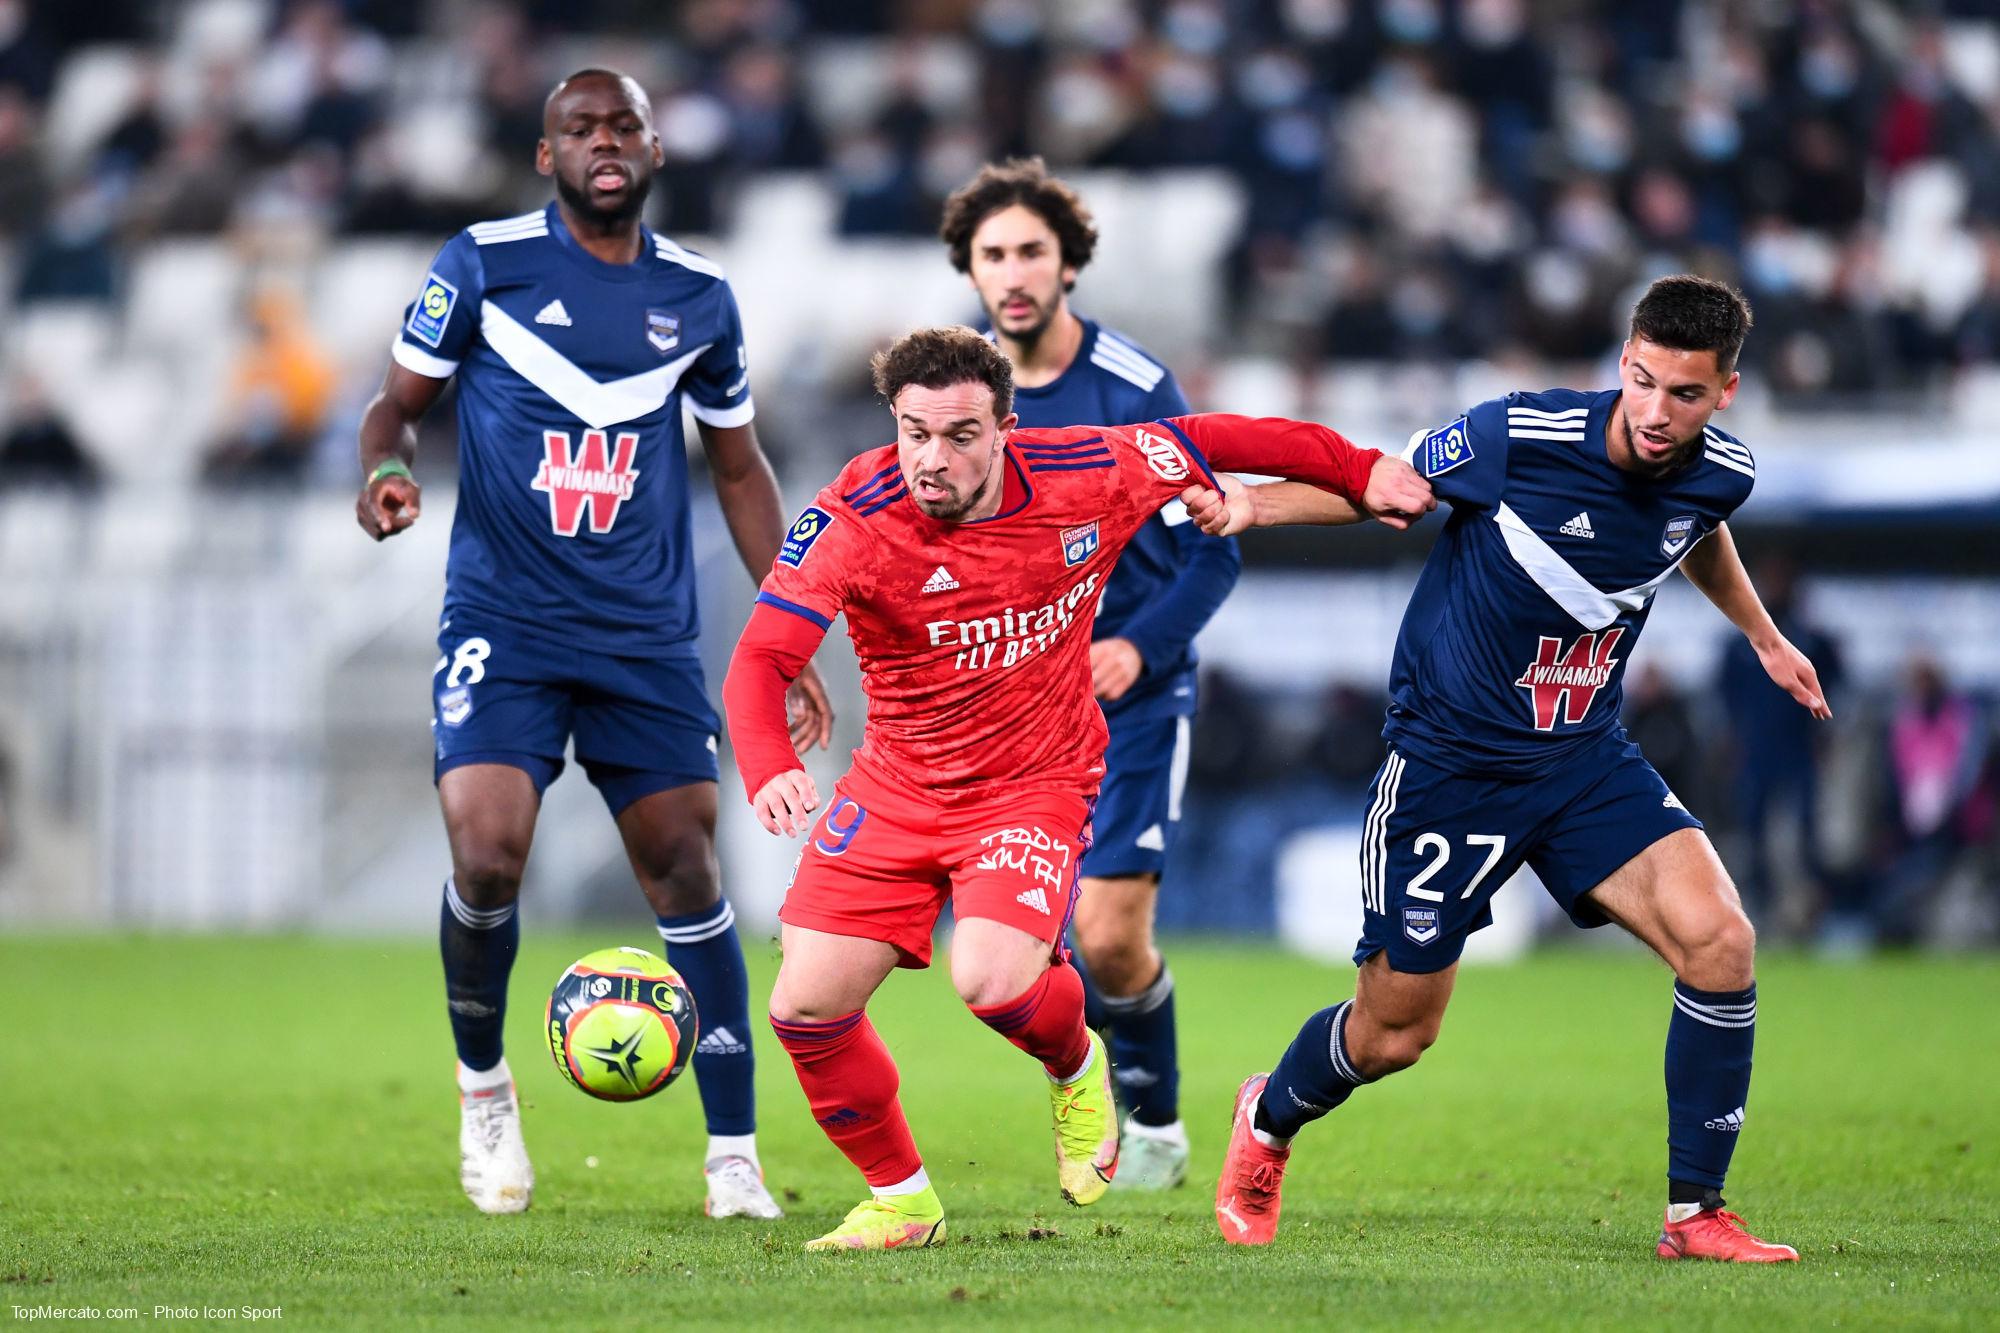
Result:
[[785, 803], [1222, 512], [1397, 494], [388, 504]]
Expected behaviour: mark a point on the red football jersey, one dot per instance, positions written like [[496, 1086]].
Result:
[[974, 637]]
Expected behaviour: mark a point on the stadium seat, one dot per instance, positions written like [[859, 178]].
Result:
[[94, 88]]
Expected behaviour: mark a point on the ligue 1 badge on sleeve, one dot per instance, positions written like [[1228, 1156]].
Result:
[[1420, 924], [805, 530], [663, 330]]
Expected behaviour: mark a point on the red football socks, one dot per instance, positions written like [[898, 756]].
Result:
[[1045, 1020], [850, 1080]]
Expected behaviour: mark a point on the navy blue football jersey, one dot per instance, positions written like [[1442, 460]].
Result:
[[1511, 658], [572, 515], [1171, 578]]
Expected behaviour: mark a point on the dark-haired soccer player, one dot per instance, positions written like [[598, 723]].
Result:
[[1022, 236], [569, 610], [1569, 510], [968, 558]]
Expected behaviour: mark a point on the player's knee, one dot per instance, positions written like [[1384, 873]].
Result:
[[1121, 960], [488, 873], [1722, 954], [678, 873], [789, 1005], [982, 982]]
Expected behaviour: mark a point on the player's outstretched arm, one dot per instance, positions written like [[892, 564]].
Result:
[[1380, 486], [1240, 506], [776, 646], [390, 499], [1715, 567], [747, 490]]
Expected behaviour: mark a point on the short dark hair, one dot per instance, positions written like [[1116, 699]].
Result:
[[1694, 314], [1024, 181], [941, 357]]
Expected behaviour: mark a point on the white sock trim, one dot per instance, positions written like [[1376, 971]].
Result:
[[1269, 1140], [733, 1145], [916, 1184], [1681, 1212], [1175, 1133], [479, 1080]]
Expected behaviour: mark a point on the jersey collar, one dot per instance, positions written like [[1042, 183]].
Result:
[[590, 263]]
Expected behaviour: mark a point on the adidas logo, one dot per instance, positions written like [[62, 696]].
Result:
[[1577, 527], [553, 313], [846, 1115], [940, 581], [720, 1041], [1036, 899], [1729, 1124], [1154, 839], [1672, 802]]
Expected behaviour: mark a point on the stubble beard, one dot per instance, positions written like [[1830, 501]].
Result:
[[1683, 454]]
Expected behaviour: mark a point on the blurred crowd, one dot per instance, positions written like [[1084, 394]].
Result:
[[1427, 179], [1881, 829]]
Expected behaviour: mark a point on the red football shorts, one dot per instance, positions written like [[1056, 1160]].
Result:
[[881, 864]]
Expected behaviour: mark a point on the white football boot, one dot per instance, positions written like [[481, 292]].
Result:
[[736, 1189], [493, 1163], [1151, 1157]]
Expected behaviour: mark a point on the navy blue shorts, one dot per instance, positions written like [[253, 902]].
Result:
[[1436, 845], [1139, 805], [641, 724]]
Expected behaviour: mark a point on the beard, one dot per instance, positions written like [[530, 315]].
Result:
[[1683, 454], [579, 203], [1030, 335], [956, 506]]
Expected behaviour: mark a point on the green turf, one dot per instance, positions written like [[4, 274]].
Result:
[[270, 1123]]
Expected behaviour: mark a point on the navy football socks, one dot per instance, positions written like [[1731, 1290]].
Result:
[[478, 947], [1143, 1058], [1709, 1041], [1311, 1078], [704, 948]]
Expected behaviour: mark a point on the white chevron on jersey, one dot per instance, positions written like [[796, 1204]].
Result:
[[1566, 588], [596, 404]]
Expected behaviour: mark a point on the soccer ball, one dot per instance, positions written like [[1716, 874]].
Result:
[[621, 1024]]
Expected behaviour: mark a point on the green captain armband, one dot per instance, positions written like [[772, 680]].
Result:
[[389, 467]]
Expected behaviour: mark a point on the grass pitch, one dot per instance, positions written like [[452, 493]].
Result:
[[210, 1124]]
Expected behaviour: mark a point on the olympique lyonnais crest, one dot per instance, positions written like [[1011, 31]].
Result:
[[1078, 543], [663, 330], [594, 478], [1420, 924], [1564, 681], [1675, 539]]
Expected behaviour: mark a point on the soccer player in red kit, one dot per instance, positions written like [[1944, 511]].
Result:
[[968, 558]]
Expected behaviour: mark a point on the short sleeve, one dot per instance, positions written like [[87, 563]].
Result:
[[810, 576], [1465, 460], [718, 384], [439, 325]]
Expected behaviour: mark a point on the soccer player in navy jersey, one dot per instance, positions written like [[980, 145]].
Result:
[[1021, 237], [575, 333], [1569, 510]]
